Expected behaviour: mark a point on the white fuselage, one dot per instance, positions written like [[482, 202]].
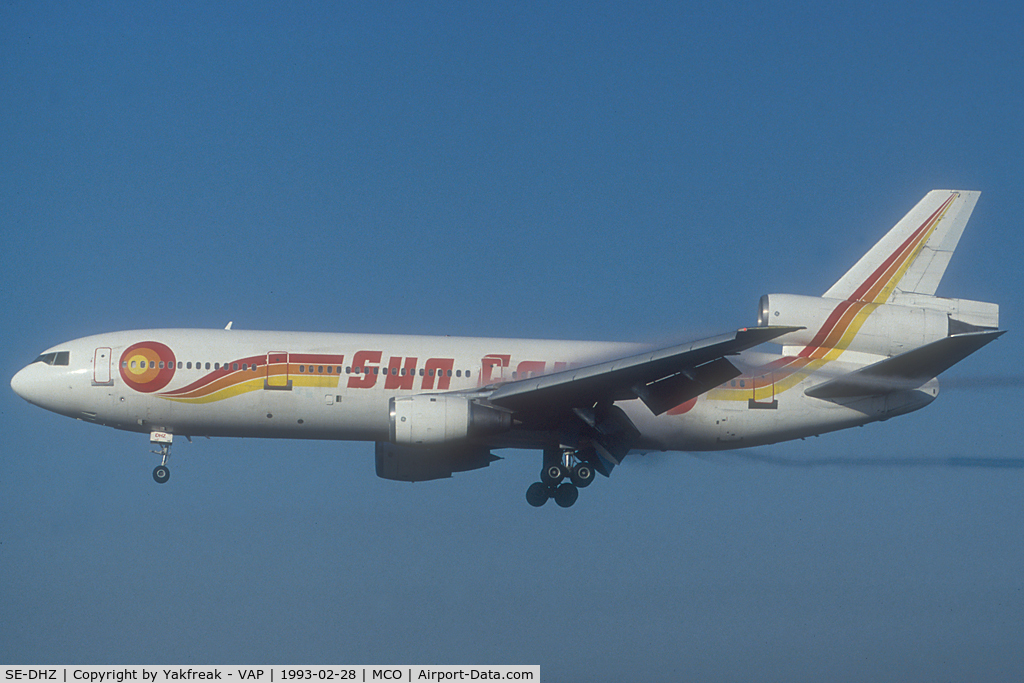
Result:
[[192, 382]]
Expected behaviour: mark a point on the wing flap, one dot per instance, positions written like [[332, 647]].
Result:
[[906, 371], [665, 394]]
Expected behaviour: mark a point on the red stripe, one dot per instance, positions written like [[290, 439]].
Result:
[[881, 270], [214, 375], [833, 318]]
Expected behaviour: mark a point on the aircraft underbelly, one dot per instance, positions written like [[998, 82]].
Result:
[[302, 413], [722, 425]]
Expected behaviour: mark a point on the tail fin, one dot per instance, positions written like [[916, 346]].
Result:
[[913, 256]]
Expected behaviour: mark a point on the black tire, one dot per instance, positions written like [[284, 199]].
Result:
[[566, 495], [552, 475], [161, 474], [582, 475], [537, 494]]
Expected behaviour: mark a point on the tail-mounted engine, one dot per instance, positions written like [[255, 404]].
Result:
[[440, 418], [879, 329]]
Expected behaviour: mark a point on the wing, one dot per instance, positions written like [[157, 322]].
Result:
[[662, 379], [582, 399]]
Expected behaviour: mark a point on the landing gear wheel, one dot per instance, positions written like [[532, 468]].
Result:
[[552, 475], [566, 495], [161, 474], [537, 494], [582, 475]]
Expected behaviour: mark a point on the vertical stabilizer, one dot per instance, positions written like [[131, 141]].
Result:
[[913, 256]]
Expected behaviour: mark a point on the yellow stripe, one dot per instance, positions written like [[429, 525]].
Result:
[[886, 291], [221, 394], [764, 392]]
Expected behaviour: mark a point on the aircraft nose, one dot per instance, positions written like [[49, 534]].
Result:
[[18, 383], [23, 385]]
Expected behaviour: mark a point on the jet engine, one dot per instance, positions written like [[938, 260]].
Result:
[[440, 418], [879, 329], [425, 463]]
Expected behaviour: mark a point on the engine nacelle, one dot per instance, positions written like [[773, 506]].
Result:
[[424, 463], [438, 418], [878, 329]]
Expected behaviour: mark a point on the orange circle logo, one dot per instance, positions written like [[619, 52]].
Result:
[[147, 366]]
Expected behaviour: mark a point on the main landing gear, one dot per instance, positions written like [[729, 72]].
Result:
[[161, 473], [558, 466]]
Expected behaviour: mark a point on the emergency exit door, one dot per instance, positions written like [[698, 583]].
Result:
[[101, 367], [277, 371]]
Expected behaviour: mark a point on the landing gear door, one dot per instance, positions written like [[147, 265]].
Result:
[[101, 368], [277, 371]]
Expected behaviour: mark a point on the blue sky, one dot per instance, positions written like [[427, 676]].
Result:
[[637, 172]]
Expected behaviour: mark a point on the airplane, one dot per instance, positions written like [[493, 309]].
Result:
[[869, 349]]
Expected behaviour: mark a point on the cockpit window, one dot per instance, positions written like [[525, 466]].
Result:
[[55, 358]]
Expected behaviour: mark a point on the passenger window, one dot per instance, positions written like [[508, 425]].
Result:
[[179, 365], [234, 366], [207, 366], [449, 373], [458, 373], [188, 366], [320, 368], [330, 370], [467, 373]]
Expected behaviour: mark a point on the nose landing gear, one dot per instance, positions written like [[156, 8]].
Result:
[[161, 473]]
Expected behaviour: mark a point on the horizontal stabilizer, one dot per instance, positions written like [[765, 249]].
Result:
[[906, 371]]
